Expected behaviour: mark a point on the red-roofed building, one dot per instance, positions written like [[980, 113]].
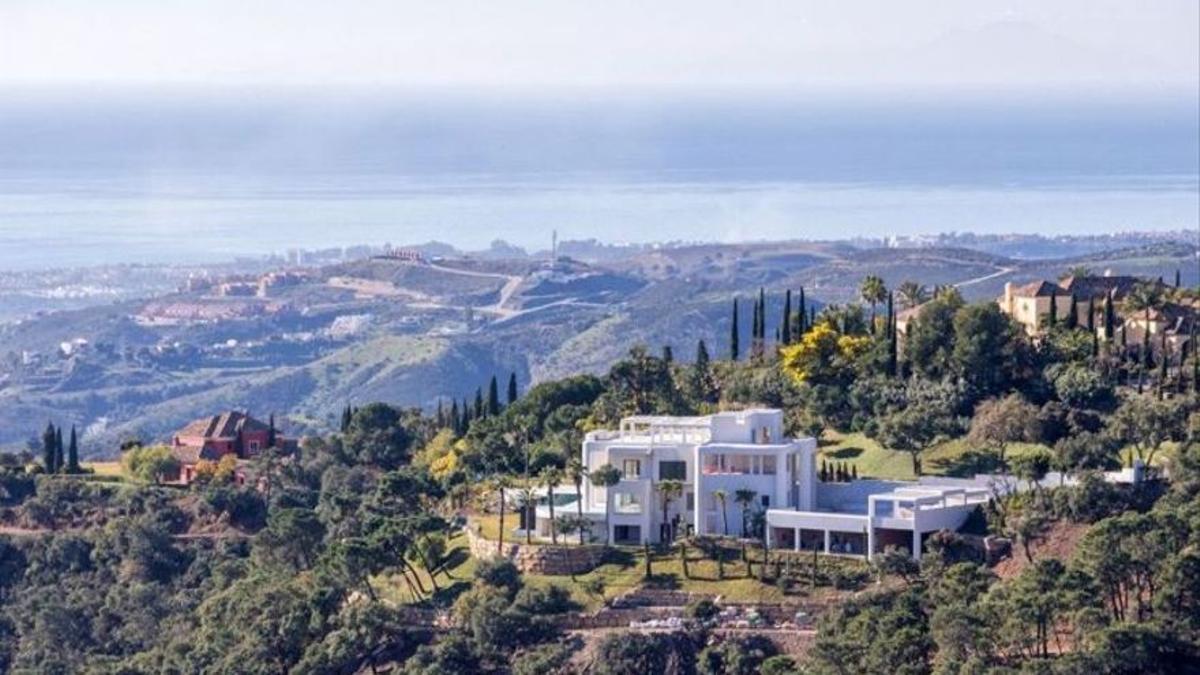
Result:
[[228, 433]]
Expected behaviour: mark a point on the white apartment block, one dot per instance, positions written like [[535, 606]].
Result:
[[747, 450]]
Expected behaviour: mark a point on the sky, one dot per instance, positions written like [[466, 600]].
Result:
[[688, 44]]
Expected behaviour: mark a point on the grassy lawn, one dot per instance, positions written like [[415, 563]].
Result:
[[953, 457], [104, 468]]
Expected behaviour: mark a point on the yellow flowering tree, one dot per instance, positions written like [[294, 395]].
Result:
[[823, 356]]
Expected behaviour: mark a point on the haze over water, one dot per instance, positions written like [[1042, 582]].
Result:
[[187, 177]]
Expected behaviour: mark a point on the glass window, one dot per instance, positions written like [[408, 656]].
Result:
[[768, 465], [766, 501], [672, 470], [631, 468], [714, 464], [627, 503], [739, 464]]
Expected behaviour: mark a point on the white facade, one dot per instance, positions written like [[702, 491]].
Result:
[[747, 450], [727, 451]]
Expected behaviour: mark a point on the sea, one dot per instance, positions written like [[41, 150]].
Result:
[[96, 177]]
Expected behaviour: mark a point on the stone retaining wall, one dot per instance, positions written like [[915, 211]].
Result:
[[538, 558]]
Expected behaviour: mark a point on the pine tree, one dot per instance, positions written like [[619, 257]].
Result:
[[512, 388], [786, 326], [73, 453], [493, 397], [59, 463], [48, 454], [733, 334]]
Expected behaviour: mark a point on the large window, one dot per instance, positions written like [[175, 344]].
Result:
[[672, 470], [631, 468], [740, 463], [627, 503], [768, 465]]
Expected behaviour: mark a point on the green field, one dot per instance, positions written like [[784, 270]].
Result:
[[954, 458]]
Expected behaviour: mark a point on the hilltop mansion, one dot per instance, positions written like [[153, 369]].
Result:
[[716, 456]]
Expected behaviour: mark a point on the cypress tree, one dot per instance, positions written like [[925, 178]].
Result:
[[1091, 316], [73, 453], [786, 326], [853, 472], [824, 474], [893, 349], [1177, 278], [271, 429], [762, 314], [480, 411], [48, 448], [512, 388], [801, 316], [1073, 314], [493, 397], [1052, 321], [59, 464], [346, 417], [1095, 344], [668, 355], [733, 334], [1163, 358], [1110, 317], [812, 316], [454, 423]]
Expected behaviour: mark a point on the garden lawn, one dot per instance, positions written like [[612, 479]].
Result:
[[951, 458]]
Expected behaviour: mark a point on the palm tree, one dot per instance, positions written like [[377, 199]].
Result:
[[500, 484], [606, 476], [551, 476], [1144, 297], [873, 291], [528, 501], [669, 490], [576, 471], [722, 497], [912, 294], [744, 497]]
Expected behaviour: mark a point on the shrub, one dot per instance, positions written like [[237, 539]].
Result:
[[701, 610]]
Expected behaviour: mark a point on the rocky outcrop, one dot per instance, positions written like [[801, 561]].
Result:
[[538, 558]]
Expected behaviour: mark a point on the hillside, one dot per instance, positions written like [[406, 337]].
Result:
[[305, 341]]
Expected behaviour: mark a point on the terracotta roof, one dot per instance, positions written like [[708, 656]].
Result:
[[224, 425], [1039, 289], [190, 454], [1100, 286]]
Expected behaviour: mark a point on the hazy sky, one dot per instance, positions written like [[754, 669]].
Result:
[[602, 43]]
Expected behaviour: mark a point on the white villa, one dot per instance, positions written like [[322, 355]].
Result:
[[747, 450]]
